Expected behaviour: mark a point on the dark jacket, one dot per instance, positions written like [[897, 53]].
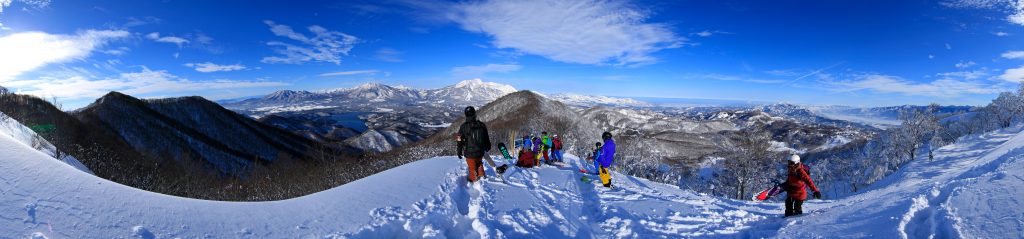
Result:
[[474, 139]]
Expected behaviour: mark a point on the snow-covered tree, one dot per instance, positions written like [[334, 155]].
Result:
[[749, 164], [1006, 108]]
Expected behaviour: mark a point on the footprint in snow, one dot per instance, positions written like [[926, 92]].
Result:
[[30, 208], [142, 232]]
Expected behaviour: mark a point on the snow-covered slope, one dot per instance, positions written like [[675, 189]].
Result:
[[970, 190], [25, 135], [427, 198]]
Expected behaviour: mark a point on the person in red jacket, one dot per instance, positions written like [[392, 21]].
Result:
[[526, 159], [796, 182]]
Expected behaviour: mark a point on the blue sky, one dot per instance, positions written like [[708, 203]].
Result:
[[861, 53]]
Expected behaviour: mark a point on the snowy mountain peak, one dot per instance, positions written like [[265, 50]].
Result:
[[474, 91], [465, 83], [286, 95], [480, 84], [370, 86]]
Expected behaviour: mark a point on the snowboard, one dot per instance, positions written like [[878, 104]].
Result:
[[586, 179], [769, 193]]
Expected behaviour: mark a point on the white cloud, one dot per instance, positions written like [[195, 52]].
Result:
[[586, 32], [968, 75], [945, 87], [388, 55], [134, 22], [32, 3], [26, 51], [1013, 55], [721, 77], [4, 3], [786, 73], [1015, 8], [3, 28], [133, 83], [120, 51], [708, 33], [349, 73], [1002, 34], [212, 67], [1013, 75], [324, 46], [155, 36], [949, 47], [484, 69], [965, 64], [930, 56]]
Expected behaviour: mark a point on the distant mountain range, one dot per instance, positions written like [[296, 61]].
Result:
[[371, 96]]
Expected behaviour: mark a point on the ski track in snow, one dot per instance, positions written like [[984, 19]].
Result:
[[971, 190]]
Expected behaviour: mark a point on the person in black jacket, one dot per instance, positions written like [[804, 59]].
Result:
[[473, 143]]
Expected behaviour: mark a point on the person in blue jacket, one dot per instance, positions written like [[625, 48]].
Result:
[[606, 159], [527, 142]]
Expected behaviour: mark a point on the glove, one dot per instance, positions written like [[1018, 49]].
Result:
[[460, 156], [817, 195]]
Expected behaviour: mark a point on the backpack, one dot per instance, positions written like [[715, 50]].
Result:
[[558, 144], [806, 169], [476, 137]]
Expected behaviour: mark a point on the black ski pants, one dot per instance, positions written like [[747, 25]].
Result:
[[794, 206]]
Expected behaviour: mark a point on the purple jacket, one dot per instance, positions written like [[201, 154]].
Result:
[[607, 153]]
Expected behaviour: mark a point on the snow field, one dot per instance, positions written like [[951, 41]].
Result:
[[970, 190]]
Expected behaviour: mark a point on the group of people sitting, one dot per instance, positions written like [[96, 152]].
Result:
[[532, 149]]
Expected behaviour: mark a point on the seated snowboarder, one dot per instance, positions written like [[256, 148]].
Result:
[[526, 159], [594, 156], [606, 157], [473, 143], [536, 148], [527, 142], [797, 180]]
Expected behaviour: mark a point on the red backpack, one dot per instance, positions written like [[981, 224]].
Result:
[[557, 144]]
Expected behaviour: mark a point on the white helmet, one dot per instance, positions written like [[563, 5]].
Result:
[[794, 159]]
